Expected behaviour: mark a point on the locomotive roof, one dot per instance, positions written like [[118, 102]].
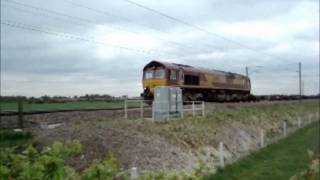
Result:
[[190, 68]]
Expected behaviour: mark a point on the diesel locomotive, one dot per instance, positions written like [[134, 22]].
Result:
[[196, 83]]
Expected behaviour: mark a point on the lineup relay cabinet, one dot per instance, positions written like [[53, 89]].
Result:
[[167, 103]]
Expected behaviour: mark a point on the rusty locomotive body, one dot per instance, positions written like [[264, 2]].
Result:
[[196, 83]]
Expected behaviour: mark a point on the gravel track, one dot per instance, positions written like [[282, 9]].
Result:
[[45, 118]]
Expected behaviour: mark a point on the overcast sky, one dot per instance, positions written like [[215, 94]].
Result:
[[75, 47]]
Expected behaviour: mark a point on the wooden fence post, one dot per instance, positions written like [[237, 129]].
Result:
[[182, 111], [310, 118], [125, 110], [299, 122], [203, 109], [20, 114], [284, 128], [193, 111], [221, 155], [261, 138]]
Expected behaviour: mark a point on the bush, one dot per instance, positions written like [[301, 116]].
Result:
[[50, 163], [31, 163], [107, 169]]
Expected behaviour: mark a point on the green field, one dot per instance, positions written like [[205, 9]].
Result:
[[278, 161], [27, 107]]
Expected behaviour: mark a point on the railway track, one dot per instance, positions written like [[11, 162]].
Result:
[[40, 118], [64, 110], [210, 105]]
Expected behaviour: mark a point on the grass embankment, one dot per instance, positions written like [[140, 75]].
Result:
[[278, 161], [209, 130], [27, 107]]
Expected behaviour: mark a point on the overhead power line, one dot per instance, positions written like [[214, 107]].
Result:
[[38, 29], [108, 14], [197, 27], [47, 15], [75, 20]]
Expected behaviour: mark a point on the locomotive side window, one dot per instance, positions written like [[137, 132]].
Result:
[[173, 75], [191, 80]]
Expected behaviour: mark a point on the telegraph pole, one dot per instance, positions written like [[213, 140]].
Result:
[[247, 71], [300, 84]]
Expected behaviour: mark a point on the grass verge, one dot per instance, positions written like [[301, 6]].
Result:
[[278, 161]]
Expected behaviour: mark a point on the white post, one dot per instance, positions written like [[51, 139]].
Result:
[[310, 118], [284, 128], [125, 109], [221, 155], [299, 122], [182, 111], [203, 109], [133, 173], [193, 111], [261, 138], [141, 109]]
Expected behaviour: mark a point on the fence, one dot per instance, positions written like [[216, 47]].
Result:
[[144, 106], [144, 111], [264, 140], [196, 106]]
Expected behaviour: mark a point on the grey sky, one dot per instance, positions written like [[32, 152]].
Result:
[[35, 63]]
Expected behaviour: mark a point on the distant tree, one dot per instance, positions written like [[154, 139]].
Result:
[[13, 98], [45, 98]]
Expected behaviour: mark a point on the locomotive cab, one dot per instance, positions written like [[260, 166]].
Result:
[[154, 74], [159, 74]]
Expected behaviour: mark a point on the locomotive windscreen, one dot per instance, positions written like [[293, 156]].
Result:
[[154, 74]]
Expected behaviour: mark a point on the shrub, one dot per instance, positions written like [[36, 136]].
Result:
[[31, 163], [107, 169], [47, 163]]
